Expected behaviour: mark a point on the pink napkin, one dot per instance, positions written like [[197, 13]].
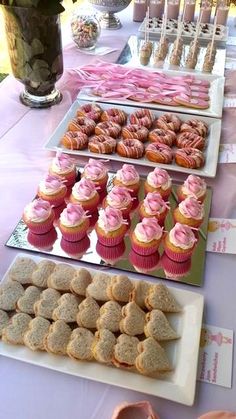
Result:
[[139, 410]]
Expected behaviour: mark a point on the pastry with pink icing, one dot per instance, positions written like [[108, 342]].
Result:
[[154, 205], [52, 189], [158, 181], [180, 242], [128, 177], [146, 237], [110, 227], [38, 216], [119, 198], [63, 165], [189, 212], [96, 171], [192, 186], [73, 222], [85, 193]]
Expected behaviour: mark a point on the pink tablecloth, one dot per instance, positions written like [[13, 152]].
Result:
[[27, 391]]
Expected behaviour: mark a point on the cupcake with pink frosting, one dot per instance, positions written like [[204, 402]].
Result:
[[52, 189], [119, 198], [63, 165], [154, 205], [193, 186], [158, 181], [74, 222], [190, 212], [84, 193], [96, 171], [128, 178], [180, 242], [38, 216], [110, 227], [146, 237]]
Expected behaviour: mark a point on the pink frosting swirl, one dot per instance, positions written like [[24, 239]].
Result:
[[72, 215], [191, 208], [182, 236], [128, 175], [38, 210], [159, 178], [153, 203], [194, 186], [148, 230], [84, 189], [119, 197], [95, 170], [110, 219], [51, 184], [63, 162]]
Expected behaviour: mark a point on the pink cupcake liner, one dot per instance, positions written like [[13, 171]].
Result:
[[102, 195], [73, 237], [175, 270], [92, 220], [144, 263], [110, 241], [75, 249], [42, 241], [111, 254], [70, 179], [41, 228], [144, 251], [178, 257]]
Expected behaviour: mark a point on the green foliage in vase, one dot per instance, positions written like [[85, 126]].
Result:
[[46, 7]]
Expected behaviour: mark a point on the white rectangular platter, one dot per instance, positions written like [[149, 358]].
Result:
[[216, 93], [211, 152], [178, 386]]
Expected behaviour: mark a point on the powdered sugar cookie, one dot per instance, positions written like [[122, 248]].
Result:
[[80, 281], [110, 316], [25, 304], [67, 308], [10, 292], [22, 270], [34, 337], [47, 303], [103, 345], [120, 288], [40, 275], [98, 287], [61, 277], [4, 319], [80, 344], [14, 331], [58, 337], [88, 313]]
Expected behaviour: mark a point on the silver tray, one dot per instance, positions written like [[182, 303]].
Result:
[[130, 56], [195, 276]]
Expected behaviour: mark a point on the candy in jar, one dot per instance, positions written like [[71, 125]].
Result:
[[85, 31]]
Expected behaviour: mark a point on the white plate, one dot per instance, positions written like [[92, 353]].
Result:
[[179, 386], [211, 152]]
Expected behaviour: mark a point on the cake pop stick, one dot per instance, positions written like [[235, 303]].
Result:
[[209, 59], [146, 49]]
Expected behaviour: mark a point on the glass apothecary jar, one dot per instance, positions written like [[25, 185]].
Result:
[[85, 29]]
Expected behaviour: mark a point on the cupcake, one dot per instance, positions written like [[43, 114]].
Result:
[[42, 241], [189, 212], [75, 249], [110, 227], [153, 205], [63, 165], [193, 186], [146, 237], [144, 264], [179, 243], [96, 171], [175, 270], [52, 189], [84, 193], [158, 181], [111, 254], [73, 223], [128, 178], [38, 216], [119, 198]]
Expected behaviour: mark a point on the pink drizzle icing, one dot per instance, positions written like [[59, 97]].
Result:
[[153, 203], [148, 230], [127, 174]]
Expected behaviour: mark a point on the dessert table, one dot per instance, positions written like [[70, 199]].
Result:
[[27, 391]]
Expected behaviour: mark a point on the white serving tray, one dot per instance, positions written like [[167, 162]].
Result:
[[211, 152], [178, 386]]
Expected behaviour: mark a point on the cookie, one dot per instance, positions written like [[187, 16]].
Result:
[[10, 292], [34, 337], [98, 287], [25, 304], [110, 316], [152, 357], [61, 277], [161, 298], [58, 337], [80, 344], [120, 288], [103, 345], [80, 281], [88, 313], [4, 319], [125, 351], [44, 269], [140, 292], [22, 270], [133, 319], [16, 328], [67, 308], [47, 303], [158, 327]]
